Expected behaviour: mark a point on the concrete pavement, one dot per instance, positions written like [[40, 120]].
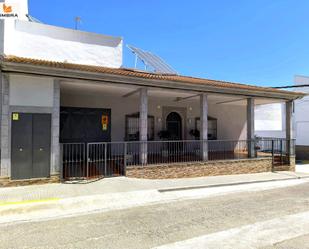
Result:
[[265, 215], [123, 184], [56, 208], [81, 202], [302, 168]]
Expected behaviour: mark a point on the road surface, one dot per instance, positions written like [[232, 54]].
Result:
[[227, 221]]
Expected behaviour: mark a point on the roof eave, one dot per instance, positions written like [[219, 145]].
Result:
[[64, 73]]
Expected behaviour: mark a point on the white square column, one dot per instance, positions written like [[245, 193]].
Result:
[[204, 126], [143, 125], [250, 127], [5, 131], [289, 127], [56, 168]]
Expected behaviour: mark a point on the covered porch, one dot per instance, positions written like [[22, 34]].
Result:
[[109, 129]]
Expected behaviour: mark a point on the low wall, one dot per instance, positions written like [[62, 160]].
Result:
[[180, 170], [199, 169], [290, 167]]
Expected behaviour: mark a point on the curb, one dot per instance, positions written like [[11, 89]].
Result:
[[230, 184]]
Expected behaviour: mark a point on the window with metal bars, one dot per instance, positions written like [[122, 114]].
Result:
[[212, 127], [132, 127]]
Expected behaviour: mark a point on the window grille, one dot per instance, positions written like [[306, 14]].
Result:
[[212, 127], [132, 127]]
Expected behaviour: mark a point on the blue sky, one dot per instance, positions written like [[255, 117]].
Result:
[[263, 42]]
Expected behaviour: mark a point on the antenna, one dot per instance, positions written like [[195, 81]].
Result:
[[78, 21]]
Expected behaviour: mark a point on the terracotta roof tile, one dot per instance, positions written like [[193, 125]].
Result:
[[142, 74]]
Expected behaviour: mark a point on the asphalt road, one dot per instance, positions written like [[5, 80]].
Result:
[[154, 226]]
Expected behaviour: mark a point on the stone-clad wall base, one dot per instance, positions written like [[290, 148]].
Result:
[[290, 167], [210, 168], [6, 182]]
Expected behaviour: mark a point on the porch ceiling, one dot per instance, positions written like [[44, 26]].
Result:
[[177, 95]]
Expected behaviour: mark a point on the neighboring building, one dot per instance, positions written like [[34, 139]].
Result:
[[301, 118], [69, 110], [270, 119]]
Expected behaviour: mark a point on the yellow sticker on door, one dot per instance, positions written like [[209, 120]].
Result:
[[15, 116], [104, 121]]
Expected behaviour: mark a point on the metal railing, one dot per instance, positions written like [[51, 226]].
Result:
[[74, 163], [227, 149], [94, 160], [279, 149]]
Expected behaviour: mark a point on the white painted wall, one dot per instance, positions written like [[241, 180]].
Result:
[[231, 118], [301, 116], [22, 38], [40, 41], [31, 91], [232, 121], [270, 120]]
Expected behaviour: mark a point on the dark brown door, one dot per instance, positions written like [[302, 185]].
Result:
[[21, 154], [31, 138], [41, 145], [174, 126]]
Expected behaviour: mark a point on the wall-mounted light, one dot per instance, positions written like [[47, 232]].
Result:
[[159, 120], [189, 120], [190, 108], [158, 107]]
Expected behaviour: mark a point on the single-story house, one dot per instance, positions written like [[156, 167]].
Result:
[[69, 110]]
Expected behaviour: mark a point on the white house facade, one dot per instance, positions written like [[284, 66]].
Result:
[[69, 110]]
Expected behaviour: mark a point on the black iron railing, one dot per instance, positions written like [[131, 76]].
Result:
[[93, 160]]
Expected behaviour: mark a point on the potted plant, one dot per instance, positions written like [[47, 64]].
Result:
[[195, 133], [164, 135]]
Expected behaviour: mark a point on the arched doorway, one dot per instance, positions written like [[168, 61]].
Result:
[[174, 126]]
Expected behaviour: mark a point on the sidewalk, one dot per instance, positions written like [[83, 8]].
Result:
[[41, 202], [302, 168], [123, 184]]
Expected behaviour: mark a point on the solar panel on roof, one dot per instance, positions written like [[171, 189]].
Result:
[[33, 19], [150, 59]]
